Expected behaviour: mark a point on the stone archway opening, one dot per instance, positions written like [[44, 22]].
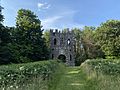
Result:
[[62, 58]]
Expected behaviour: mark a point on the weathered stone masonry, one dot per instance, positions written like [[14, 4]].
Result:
[[62, 44]]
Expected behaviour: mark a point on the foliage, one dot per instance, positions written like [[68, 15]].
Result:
[[23, 43], [1, 16], [46, 35], [86, 47], [56, 77], [106, 66], [79, 50], [85, 77], [27, 41], [101, 74], [91, 49], [27, 20], [5, 54], [108, 37], [17, 75]]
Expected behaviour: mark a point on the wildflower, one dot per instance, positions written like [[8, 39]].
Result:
[[3, 88], [11, 86], [16, 86], [21, 68], [8, 75], [35, 69]]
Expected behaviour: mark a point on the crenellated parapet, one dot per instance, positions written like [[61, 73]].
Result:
[[57, 31]]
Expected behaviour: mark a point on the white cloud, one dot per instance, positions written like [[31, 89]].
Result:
[[43, 6], [61, 21], [40, 5], [49, 22]]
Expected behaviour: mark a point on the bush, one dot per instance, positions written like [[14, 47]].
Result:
[[18, 74], [102, 74], [106, 66]]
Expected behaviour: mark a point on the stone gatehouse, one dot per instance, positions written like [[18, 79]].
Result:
[[62, 46]]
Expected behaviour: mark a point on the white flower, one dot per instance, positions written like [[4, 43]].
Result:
[[35, 69], [11, 86], [21, 68], [8, 75], [16, 86]]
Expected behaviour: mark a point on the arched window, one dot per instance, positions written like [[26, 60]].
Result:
[[68, 42], [55, 41]]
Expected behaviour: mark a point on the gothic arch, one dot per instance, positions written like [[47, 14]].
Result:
[[62, 57]]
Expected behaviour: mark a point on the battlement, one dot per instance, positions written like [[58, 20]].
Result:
[[62, 31]]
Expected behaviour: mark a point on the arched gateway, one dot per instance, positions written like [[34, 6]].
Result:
[[62, 57], [62, 46]]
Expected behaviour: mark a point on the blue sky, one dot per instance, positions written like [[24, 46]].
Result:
[[64, 13]]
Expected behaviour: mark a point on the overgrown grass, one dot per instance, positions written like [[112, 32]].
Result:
[[56, 77], [28, 76], [101, 74]]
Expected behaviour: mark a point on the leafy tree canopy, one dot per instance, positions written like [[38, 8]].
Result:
[[26, 19], [108, 37]]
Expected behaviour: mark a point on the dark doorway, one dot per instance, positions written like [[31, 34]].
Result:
[[62, 57]]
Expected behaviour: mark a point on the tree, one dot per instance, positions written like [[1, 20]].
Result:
[[86, 47], [79, 51], [1, 25], [108, 37], [46, 35], [5, 54], [28, 37], [1, 16], [91, 49]]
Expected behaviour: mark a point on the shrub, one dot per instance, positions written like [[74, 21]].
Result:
[[106, 66], [18, 74]]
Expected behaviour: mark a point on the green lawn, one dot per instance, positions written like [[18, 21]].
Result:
[[71, 79]]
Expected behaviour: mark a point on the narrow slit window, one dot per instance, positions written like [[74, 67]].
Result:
[[70, 57], [55, 41]]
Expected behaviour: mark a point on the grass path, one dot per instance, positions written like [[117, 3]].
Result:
[[72, 79]]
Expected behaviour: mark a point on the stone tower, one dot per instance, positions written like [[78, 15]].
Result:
[[62, 46]]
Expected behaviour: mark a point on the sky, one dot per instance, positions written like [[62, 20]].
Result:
[[64, 13]]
